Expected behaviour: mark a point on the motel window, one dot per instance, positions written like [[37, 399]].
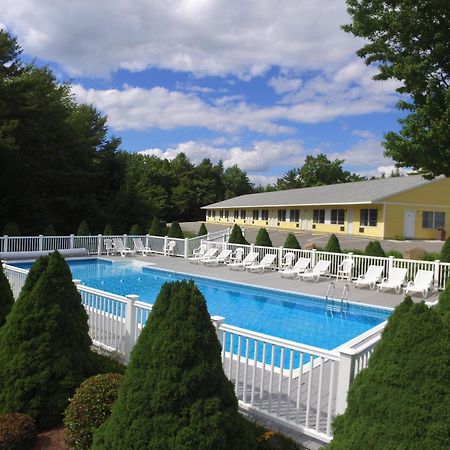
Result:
[[255, 214], [236, 214], [295, 215], [281, 215], [433, 219], [242, 213], [264, 214], [337, 216], [319, 216], [227, 213], [214, 214], [221, 213], [368, 217], [209, 213]]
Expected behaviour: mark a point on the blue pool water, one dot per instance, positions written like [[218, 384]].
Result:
[[295, 317]]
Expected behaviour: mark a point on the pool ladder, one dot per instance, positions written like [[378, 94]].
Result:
[[332, 305]]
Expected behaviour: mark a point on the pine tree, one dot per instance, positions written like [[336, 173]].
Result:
[[291, 242], [333, 245], [374, 249], [202, 230], [83, 229], [6, 297], [401, 400], [50, 230], [175, 394], [108, 231], [445, 252], [236, 236], [135, 230], [11, 229], [263, 238], [44, 345], [155, 228], [175, 231]]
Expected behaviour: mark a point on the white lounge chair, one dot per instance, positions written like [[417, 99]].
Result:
[[198, 252], [345, 269], [288, 261], [200, 257], [139, 247], [109, 246], [372, 276], [299, 267], [120, 248], [221, 258], [169, 249], [268, 262], [247, 261], [394, 281], [237, 256], [422, 283], [319, 270]]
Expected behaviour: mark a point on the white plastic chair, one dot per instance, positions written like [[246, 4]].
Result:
[[371, 277], [299, 267], [109, 246], [199, 257], [422, 283], [319, 270], [139, 247], [120, 247], [345, 269], [247, 261], [170, 248], [221, 258], [288, 261], [394, 281], [266, 263]]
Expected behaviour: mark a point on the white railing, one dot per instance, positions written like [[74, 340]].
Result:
[[299, 386], [361, 263]]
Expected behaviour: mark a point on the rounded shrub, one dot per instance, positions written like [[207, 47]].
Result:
[[50, 230], [17, 431], [374, 248], [11, 229], [6, 297], [445, 252], [89, 408], [105, 363], [155, 228], [175, 231], [175, 394], [108, 231], [44, 345], [83, 229], [395, 253], [263, 238], [236, 236], [135, 230], [291, 242], [202, 231], [333, 245]]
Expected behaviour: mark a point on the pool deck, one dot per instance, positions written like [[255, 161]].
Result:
[[273, 280]]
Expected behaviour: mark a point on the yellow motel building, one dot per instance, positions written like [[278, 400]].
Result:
[[410, 207]]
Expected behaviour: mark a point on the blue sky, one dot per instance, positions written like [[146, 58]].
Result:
[[258, 84]]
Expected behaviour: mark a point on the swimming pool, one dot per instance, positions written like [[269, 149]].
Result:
[[295, 317]]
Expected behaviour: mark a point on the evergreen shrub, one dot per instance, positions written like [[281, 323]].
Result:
[[175, 231], [236, 236], [11, 229], [6, 297], [50, 230], [445, 252], [175, 394], [333, 245], [374, 248], [103, 363], [17, 431], [291, 242], [89, 408], [83, 229], [135, 230], [395, 253], [202, 231], [108, 231], [401, 400], [430, 256], [155, 228], [44, 345], [263, 238]]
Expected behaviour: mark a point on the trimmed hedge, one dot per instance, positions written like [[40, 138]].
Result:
[[155, 228], [445, 252], [83, 229], [236, 236], [175, 231], [175, 394], [6, 297], [395, 254], [11, 229], [108, 231], [333, 245], [89, 408], [291, 242], [263, 238], [44, 345], [135, 230], [17, 431], [374, 248], [50, 230], [202, 231]]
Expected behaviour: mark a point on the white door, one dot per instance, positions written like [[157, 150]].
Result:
[[350, 218], [409, 223]]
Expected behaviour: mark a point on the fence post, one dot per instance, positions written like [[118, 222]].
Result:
[[165, 246], [125, 239], [252, 247], [147, 236], [72, 238], [40, 242], [313, 257], [186, 248], [218, 321], [280, 257], [5, 243], [437, 264], [130, 325], [390, 265], [345, 378]]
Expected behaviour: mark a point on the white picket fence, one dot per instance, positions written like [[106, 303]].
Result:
[[299, 386], [361, 263]]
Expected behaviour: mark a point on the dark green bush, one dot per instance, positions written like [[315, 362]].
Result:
[[50, 230], [108, 231], [401, 400], [44, 345], [202, 231], [102, 363], [374, 249], [6, 297], [263, 238], [395, 253], [135, 230], [333, 245], [175, 231], [236, 236], [83, 229], [271, 440], [431, 256], [17, 431], [89, 408], [291, 242], [443, 306], [355, 251], [11, 229], [175, 394], [155, 228], [445, 252]]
